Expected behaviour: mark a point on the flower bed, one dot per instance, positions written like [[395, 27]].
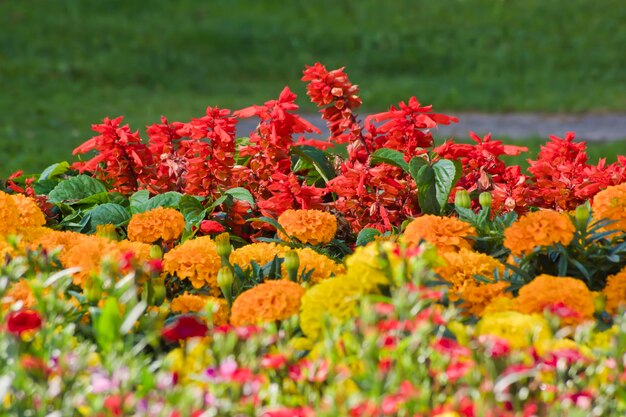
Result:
[[374, 274]]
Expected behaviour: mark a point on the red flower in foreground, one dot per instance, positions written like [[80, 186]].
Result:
[[22, 321], [290, 412], [184, 327]]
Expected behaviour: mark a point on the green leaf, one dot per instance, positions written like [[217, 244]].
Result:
[[191, 209], [138, 200], [54, 170], [366, 236], [317, 158], [108, 213], [240, 193], [222, 199], [391, 157], [45, 186], [75, 189], [270, 221], [93, 200], [107, 323], [427, 192], [168, 199], [415, 165], [445, 178]]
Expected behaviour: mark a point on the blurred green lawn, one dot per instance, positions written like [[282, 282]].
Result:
[[66, 64]]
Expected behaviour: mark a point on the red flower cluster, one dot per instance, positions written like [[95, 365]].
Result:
[[22, 321]]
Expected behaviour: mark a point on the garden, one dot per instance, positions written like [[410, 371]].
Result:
[[197, 270]]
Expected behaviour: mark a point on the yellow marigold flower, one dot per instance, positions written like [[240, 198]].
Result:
[[19, 291], [9, 214], [336, 297], [261, 253], [196, 260], [547, 290], [315, 227], [477, 297], [540, 228], [267, 302], [520, 330], [30, 213], [611, 204], [160, 223], [615, 292], [499, 304], [194, 303], [462, 266], [323, 267], [446, 233], [364, 265]]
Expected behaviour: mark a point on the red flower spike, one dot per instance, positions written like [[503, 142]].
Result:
[[22, 321], [184, 327]]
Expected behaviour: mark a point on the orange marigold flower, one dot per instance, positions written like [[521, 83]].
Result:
[[196, 260], [476, 298], [315, 227], [615, 292], [195, 303], [611, 204], [261, 253], [30, 213], [9, 214], [88, 255], [462, 266], [19, 291], [540, 228], [546, 291], [140, 250], [323, 267], [267, 302], [59, 240], [446, 233], [160, 223]]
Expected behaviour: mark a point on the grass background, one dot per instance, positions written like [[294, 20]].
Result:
[[66, 64]]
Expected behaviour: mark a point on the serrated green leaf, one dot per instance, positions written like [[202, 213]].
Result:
[[427, 192], [169, 199], [415, 165], [366, 236], [391, 157], [317, 159], [54, 170], [240, 193], [93, 200], [75, 189]]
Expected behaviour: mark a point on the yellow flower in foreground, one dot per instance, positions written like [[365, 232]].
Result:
[[9, 214], [520, 330], [315, 227], [446, 233], [19, 291], [196, 260], [30, 213], [336, 297], [88, 256], [611, 204], [160, 223], [540, 228], [273, 300], [547, 290], [365, 265], [615, 292], [194, 303]]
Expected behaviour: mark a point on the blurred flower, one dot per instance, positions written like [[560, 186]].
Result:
[[184, 327], [322, 266], [520, 330], [314, 227], [160, 223], [22, 321], [615, 292], [539, 228], [19, 291], [193, 303]]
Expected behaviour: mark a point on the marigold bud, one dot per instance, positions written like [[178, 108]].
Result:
[[222, 245], [462, 199], [156, 252], [582, 215], [158, 292], [485, 199], [292, 263], [225, 278]]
